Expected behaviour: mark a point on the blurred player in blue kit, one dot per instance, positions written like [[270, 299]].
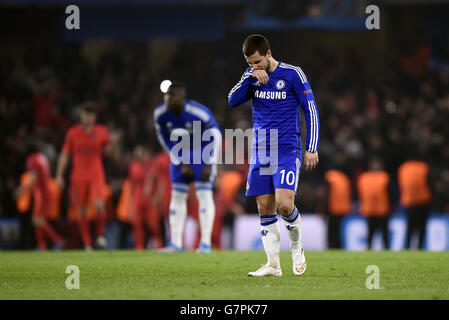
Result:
[[193, 159], [279, 91]]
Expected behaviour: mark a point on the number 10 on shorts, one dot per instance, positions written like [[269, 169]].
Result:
[[289, 178]]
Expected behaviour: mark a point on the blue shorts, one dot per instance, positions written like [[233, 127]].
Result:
[[263, 180], [181, 183]]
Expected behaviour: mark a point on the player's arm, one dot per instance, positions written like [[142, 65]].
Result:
[[63, 160], [243, 90], [162, 133], [307, 102], [24, 188]]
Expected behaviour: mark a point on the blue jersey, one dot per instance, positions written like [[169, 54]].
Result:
[[276, 105], [194, 115]]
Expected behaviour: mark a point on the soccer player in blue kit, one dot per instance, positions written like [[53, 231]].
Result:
[[200, 145], [279, 91]]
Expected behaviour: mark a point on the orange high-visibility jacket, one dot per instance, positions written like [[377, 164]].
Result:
[[230, 182], [24, 201], [124, 203], [413, 186], [372, 188], [55, 204], [339, 195]]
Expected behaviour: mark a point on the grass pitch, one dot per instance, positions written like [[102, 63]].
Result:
[[222, 275]]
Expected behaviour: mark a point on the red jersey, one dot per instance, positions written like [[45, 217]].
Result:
[[161, 169], [137, 174], [161, 165], [86, 150], [138, 171], [39, 163]]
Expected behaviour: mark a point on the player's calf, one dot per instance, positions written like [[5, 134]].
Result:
[[293, 225], [270, 234]]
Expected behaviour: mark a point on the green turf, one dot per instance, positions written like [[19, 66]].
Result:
[[222, 275]]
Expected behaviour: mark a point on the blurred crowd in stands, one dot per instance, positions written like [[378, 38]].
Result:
[[395, 112]]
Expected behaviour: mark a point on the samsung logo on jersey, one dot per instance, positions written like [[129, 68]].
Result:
[[270, 94]]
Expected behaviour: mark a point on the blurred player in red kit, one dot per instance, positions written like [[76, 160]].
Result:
[[228, 184], [38, 168], [158, 189], [86, 143], [143, 208]]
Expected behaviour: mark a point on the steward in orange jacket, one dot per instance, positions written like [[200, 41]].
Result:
[[339, 204], [415, 196], [375, 199]]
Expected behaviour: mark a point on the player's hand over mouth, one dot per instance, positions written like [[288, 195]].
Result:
[[261, 75]]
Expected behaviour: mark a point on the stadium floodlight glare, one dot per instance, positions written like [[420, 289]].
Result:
[[164, 85]]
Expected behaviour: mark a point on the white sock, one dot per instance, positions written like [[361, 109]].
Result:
[[178, 213], [206, 214], [293, 224], [271, 238]]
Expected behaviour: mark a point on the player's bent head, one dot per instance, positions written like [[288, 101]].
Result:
[[175, 96], [255, 43], [88, 113]]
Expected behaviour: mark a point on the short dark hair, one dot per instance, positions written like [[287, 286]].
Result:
[[89, 106], [254, 43]]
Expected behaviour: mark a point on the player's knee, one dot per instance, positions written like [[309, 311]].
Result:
[[285, 207], [266, 204], [265, 208], [285, 202]]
